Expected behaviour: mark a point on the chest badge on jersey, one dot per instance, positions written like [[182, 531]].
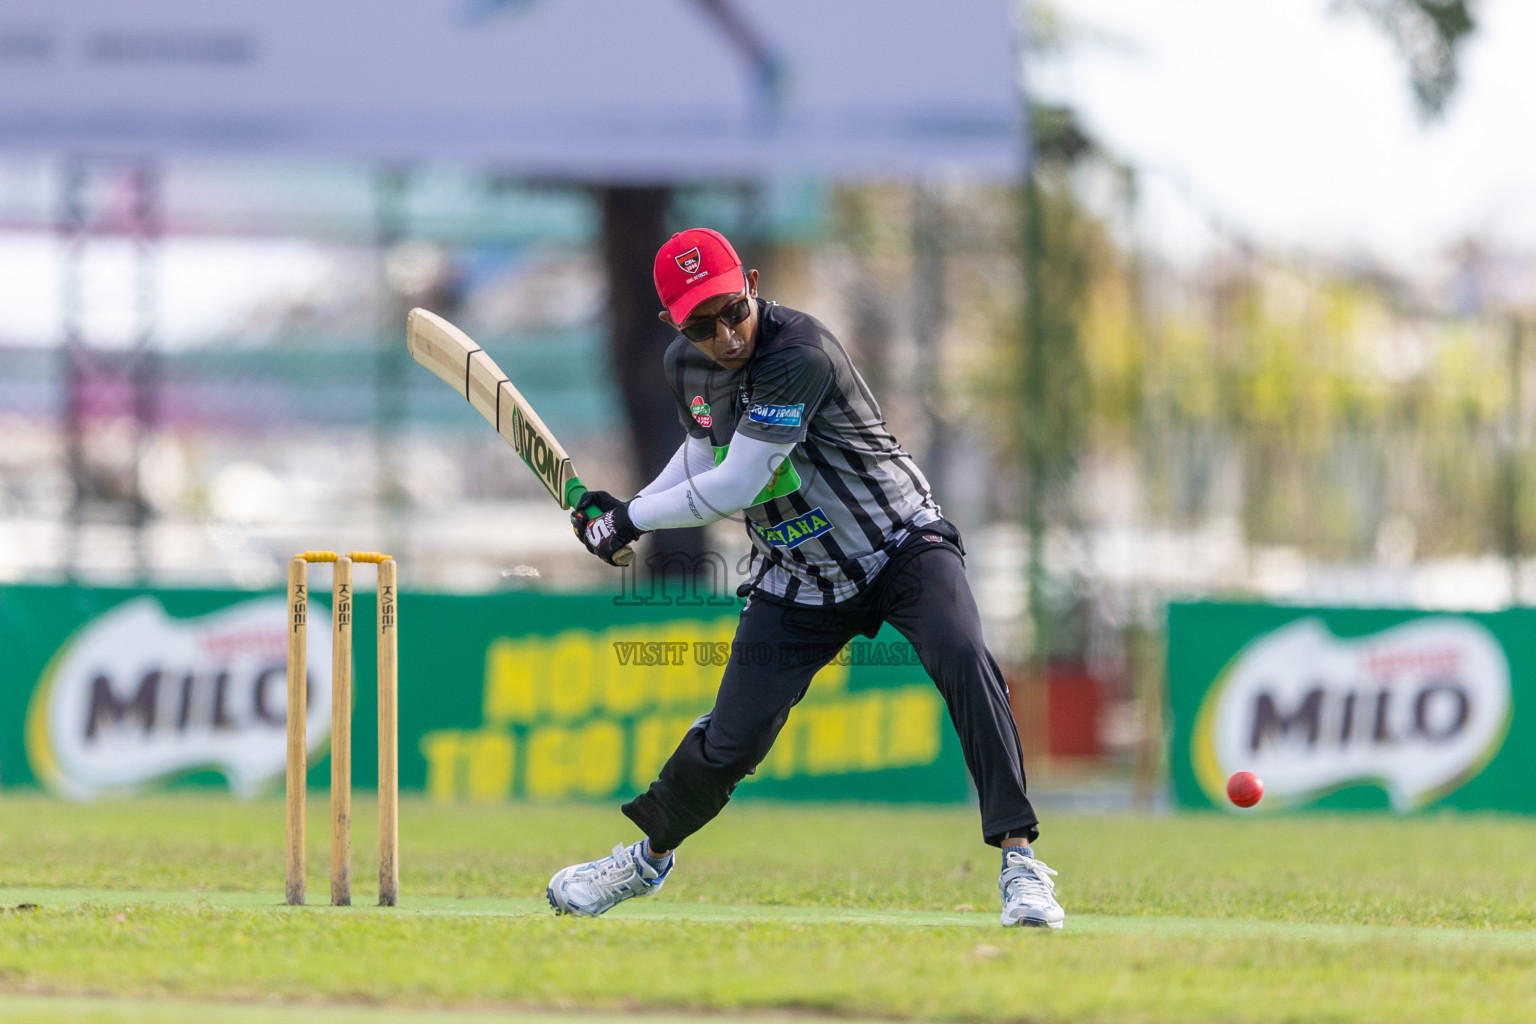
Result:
[[791, 533], [700, 411]]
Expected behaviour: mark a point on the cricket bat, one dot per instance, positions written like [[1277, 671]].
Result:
[[459, 362]]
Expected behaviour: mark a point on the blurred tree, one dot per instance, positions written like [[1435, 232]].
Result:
[[634, 227], [1054, 404], [1264, 361], [1428, 35]]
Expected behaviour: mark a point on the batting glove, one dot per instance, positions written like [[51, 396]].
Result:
[[603, 526]]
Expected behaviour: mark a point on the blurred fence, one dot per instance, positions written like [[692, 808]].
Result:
[[233, 387]]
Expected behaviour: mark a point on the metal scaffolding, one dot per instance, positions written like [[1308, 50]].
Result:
[[110, 385]]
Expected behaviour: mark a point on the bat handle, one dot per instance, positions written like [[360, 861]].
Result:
[[574, 494]]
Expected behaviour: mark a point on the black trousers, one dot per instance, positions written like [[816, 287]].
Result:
[[923, 592]]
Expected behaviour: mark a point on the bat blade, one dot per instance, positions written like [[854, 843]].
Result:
[[461, 364], [455, 358]]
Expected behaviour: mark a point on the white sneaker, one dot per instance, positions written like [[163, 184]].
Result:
[[1029, 895], [599, 886]]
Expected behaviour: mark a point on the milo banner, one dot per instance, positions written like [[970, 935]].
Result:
[[550, 697], [1354, 708]]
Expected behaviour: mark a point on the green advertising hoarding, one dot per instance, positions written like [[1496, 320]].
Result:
[[1353, 708], [518, 695]]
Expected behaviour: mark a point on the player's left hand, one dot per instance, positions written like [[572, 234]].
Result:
[[603, 525]]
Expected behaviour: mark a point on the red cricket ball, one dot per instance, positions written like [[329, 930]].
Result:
[[1245, 788]]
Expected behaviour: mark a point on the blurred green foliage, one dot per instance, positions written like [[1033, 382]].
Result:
[[1313, 403]]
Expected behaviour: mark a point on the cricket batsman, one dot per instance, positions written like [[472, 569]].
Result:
[[845, 534]]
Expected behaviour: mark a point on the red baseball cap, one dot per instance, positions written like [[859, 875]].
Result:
[[695, 265]]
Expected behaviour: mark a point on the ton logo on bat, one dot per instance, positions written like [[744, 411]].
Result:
[[535, 451]]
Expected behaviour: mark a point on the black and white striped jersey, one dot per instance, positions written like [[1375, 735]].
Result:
[[848, 496]]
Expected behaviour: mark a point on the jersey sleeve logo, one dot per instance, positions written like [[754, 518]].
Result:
[[777, 415], [791, 533], [688, 262], [699, 410]]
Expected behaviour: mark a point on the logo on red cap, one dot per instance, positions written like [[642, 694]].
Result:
[[689, 261], [695, 265]]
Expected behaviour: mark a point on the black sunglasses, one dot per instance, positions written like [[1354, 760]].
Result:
[[735, 313]]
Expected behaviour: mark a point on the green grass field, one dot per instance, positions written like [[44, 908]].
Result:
[[170, 909]]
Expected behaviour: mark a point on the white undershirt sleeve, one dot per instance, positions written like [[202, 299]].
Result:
[[710, 496], [693, 457]]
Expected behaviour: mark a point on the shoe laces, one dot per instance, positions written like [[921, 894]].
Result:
[[617, 869], [1026, 878]]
